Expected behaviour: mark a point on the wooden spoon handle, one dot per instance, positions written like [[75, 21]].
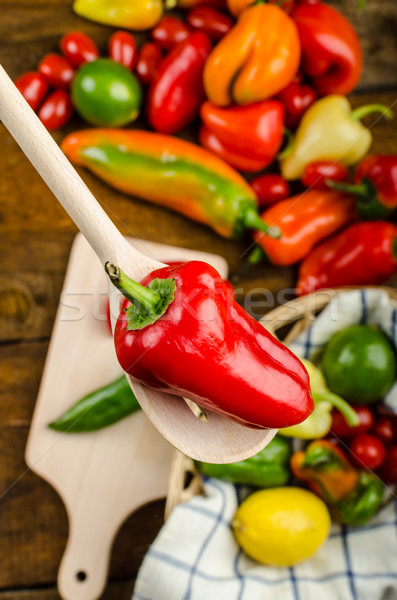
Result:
[[58, 173]]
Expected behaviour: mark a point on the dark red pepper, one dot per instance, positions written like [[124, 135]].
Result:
[[364, 253], [57, 71], [149, 59], [270, 189], [296, 98], [56, 110], [177, 90], [122, 48], [375, 186], [341, 429], [212, 22], [317, 173], [183, 333], [169, 32], [78, 48], [331, 49], [33, 87]]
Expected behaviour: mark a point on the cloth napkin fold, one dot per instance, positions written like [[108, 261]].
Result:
[[195, 556]]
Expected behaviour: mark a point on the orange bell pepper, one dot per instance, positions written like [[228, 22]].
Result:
[[257, 58], [305, 219]]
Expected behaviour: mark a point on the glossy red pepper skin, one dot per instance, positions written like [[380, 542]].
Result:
[[378, 173], [148, 60], [57, 71], [33, 87], [363, 254], [235, 158], [210, 21], [270, 189], [169, 32], [331, 49], [177, 90], [208, 349], [122, 48], [296, 98], [78, 48], [254, 131], [56, 110], [316, 174]]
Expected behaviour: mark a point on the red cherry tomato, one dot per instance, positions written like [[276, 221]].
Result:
[[367, 451], [316, 174], [388, 470], [210, 21], [56, 70], [148, 59], [270, 189], [33, 88], [341, 429], [296, 98], [79, 48], [122, 48], [56, 110], [384, 430], [169, 32]]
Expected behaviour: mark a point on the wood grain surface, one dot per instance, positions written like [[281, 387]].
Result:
[[35, 239]]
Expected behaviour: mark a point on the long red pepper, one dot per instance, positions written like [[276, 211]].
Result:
[[363, 254], [181, 332]]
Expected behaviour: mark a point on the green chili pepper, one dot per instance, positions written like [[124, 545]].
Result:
[[268, 468], [99, 409]]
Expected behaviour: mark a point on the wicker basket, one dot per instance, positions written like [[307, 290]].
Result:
[[295, 316]]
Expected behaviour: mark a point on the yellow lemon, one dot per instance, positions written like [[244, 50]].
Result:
[[281, 526]]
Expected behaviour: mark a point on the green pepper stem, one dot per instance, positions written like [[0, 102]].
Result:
[[252, 220], [344, 407], [350, 188], [256, 256], [132, 290], [362, 111]]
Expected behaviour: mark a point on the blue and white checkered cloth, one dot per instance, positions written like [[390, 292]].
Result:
[[195, 556]]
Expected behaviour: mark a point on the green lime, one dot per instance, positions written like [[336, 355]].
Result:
[[106, 93], [359, 364]]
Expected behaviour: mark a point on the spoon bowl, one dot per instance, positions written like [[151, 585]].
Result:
[[217, 439]]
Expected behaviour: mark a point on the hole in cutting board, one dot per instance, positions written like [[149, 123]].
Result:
[[81, 576]]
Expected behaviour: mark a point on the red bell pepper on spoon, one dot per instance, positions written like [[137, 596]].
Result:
[[181, 332]]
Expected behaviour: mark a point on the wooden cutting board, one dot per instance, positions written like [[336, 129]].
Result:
[[103, 476]]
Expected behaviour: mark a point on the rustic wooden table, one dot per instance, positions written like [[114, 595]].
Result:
[[36, 237]]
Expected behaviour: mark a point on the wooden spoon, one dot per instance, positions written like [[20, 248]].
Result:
[[219, 439]]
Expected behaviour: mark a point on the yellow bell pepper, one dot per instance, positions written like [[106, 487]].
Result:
[[129, 14], [330, 130], [318, 424]]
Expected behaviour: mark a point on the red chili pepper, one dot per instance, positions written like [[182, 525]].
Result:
[[254, 131], [316, 174], [176, 90], [364, 253], [331, 49], [78, 47], [341, 429], [305, 220], [169, 32], [388, 470], [296, 98], [122, 48], [212, 22], [270, 189], [367, 451], [56, 110], [149, 59], [234, 158], [33, 88], [207, 348], [57, 71], [375, 186]]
